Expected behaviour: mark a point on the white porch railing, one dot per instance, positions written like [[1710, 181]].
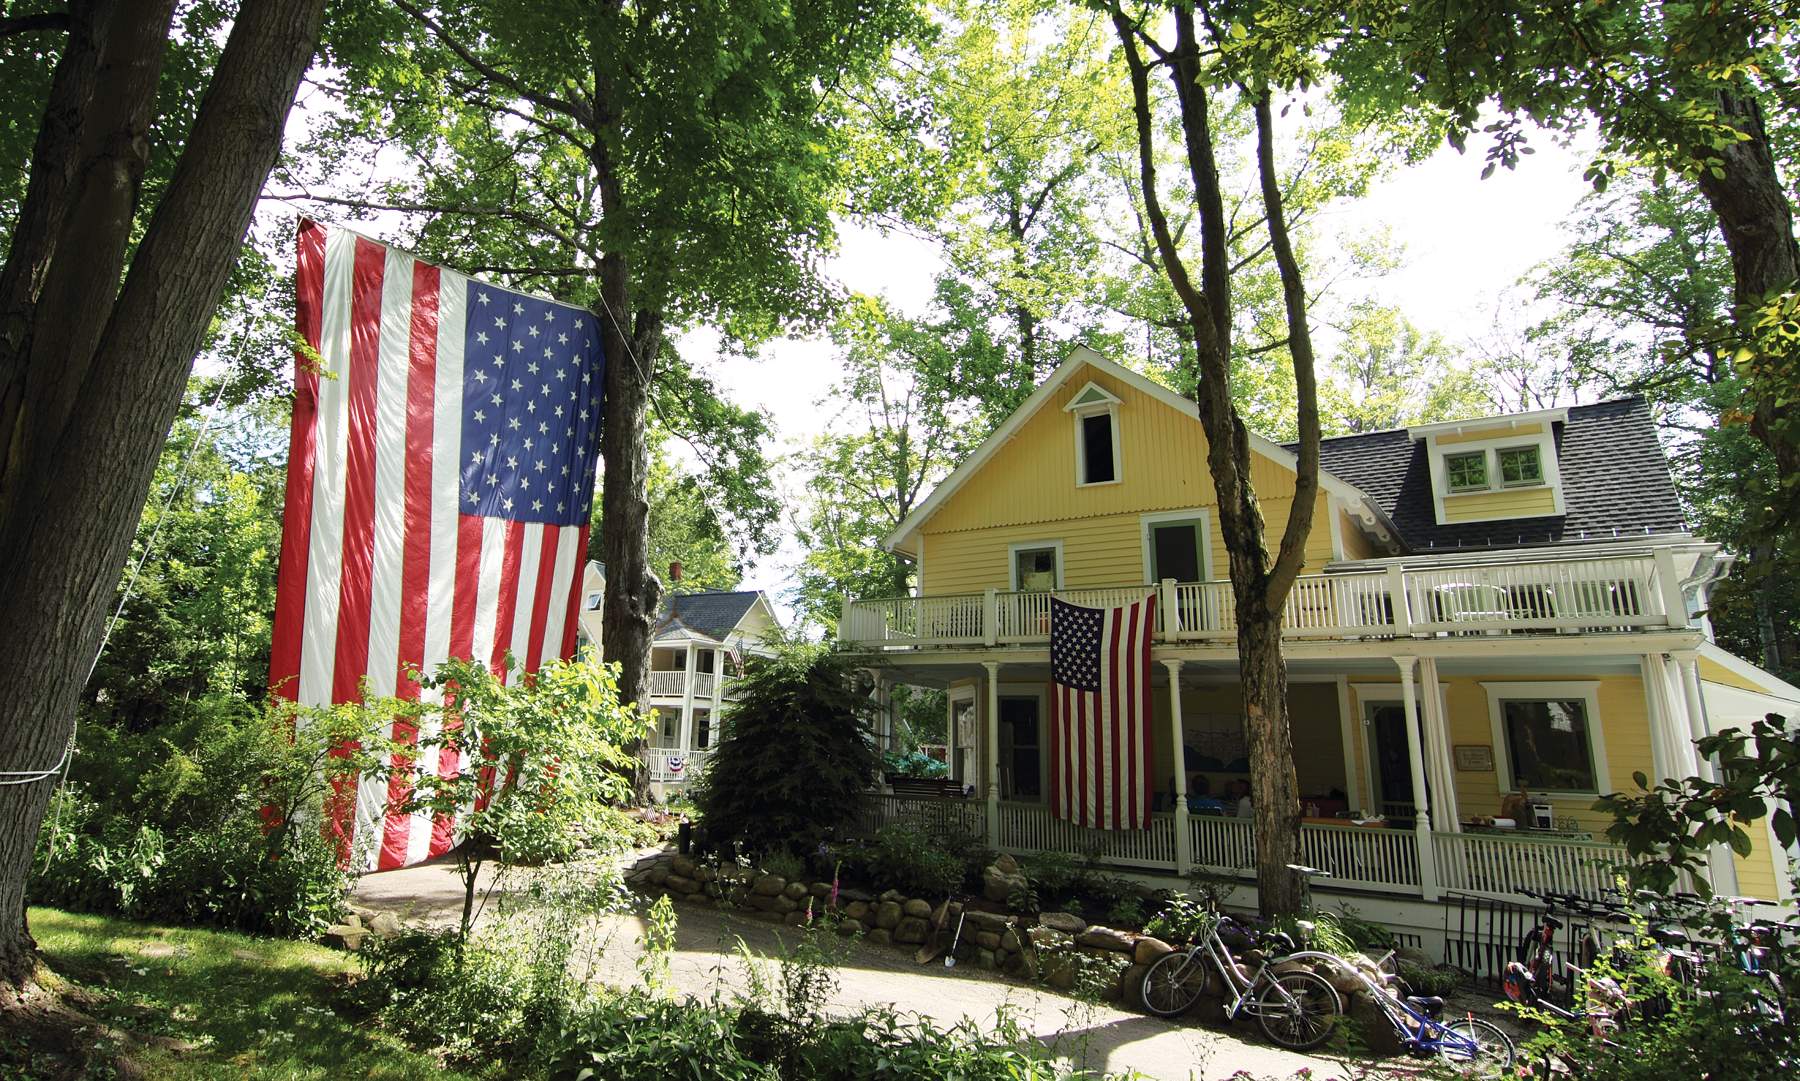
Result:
[[1548, 595], [1359, 858], [1030, 827], [1495, 866], [668, 684], [669, 765]]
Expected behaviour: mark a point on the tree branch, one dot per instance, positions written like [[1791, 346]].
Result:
[[575, 111], [43, 20]]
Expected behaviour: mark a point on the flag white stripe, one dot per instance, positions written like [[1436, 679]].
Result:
[[568, 540], [388, 556], [529, 554], [487, 588], [325, 548]]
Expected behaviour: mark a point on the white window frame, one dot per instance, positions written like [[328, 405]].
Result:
[[1109, 404], [1585, 691], [1040, 692], [1500, 473], [1382, 694], [1012, 560], [1146, 522]]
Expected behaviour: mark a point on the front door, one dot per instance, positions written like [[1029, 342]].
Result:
[[1021, 759], [1391, 756]]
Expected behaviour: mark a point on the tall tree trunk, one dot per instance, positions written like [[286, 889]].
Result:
[[94, 369], [1758, 225]]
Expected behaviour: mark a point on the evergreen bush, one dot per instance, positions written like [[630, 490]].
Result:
[[795, 757]]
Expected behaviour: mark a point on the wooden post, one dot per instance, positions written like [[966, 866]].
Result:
[[1667, 580], [1183, 827], [1396, 587], [1428, 886], [993, 752], [686, 741], [990, 617], [1171, 611]]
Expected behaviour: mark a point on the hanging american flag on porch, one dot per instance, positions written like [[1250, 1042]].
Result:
[[1101, 753], [440, 480]]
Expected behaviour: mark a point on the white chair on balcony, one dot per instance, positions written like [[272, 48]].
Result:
[[1472, 602]]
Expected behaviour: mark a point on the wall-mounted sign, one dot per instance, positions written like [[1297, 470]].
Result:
[[1474, 758]]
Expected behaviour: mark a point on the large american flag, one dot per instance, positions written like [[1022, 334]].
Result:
[[1102, 757], [440, 479]]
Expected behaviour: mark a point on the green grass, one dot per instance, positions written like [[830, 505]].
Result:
[[251, 1007]]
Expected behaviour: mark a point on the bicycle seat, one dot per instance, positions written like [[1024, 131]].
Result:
[[1279, 942], [1309, 872], [1429, 1005]]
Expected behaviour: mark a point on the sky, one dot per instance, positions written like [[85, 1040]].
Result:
[[1466, 242]]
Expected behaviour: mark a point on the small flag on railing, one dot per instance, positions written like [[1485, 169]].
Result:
[[1102, 757]]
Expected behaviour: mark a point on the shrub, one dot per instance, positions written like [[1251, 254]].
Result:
[[1181, 920], [912, 861], [436, 992], [914, 764], [795, 759], [1426, 980]]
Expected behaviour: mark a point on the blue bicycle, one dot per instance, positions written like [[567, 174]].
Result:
[[1473, 1047]]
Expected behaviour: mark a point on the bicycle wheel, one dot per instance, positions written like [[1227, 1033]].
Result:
[[1297, 1010], [1174, 983], [1492, 1055]]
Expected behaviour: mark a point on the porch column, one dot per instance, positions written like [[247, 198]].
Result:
[[686, 741], [950, 736], [1719, 857], [1439, 767], [1671, 747], [881, 713], [993, 752], [1421, 803], [1183, 848]]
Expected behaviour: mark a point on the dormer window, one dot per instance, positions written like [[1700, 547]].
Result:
[[1520, 466], [1466, 472], [1096, 413]]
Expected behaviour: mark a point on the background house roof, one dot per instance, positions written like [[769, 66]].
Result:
[[713, 613], [1615, 481]]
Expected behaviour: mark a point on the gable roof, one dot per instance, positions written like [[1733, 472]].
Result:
[[1615, 483], [710, 613], [1080, 357]]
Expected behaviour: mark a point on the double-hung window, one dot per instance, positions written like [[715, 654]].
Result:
[[1520, 466], [1034, 569]]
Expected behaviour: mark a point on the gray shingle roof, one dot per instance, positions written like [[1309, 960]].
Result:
[[713, 612], [1615, 483]]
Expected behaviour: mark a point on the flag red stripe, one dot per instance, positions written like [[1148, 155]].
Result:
[[509, 596], [1109, 815], [1147, 764], [359, 476], [540, 605], [296, 522], [462, 645], [572, 617], [415, 573]]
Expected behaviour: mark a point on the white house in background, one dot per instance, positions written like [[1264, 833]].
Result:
[[701, 642], [593, 598]]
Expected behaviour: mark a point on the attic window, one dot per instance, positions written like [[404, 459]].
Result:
[[1097, 464], [1096, 413], [1520, 466], [1466, 472]]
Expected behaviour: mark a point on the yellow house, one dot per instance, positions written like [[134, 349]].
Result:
[[1489, 607]]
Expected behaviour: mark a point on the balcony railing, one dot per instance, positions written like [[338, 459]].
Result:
[[669, 765], [1546, 596], [672, 683]]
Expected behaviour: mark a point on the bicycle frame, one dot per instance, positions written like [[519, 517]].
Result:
[[1242, 991], [1426, 1034]]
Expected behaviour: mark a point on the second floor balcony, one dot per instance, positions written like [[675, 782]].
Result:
[[1625, 591], [672, 683]]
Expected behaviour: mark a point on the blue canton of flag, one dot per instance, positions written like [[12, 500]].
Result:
[[1075, 645], [531, 408]]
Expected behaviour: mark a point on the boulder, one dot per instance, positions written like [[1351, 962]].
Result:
[[783, 904], [850, 927], [997, 885], [1066, 922], [681, 885], [704, 874], [683, 866], [797, 917], [1019, 965], [1105, 938], [986, 958], [881, 936], [794, 891], [658, 874], [769, 885], [987, 940], [386, 925], [1006, 864], [911, 930], [856, 910], [1131, 983], [821, 890], [850, 895], [917, 907], [344, 937], [892, 895], [887, 915], [1149, 949], [988, 921], [767, 917]]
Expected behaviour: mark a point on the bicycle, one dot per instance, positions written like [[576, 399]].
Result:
[[1295, 1008], [1474, 1046]]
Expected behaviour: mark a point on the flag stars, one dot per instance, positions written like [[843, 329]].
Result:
[[507, 503], [483, 298], [532, 368], [518, 346], [528, 444], [537, 505], [471, 496], [562, 339], [516, 385], [531, 406], [518, 309], [496, 399], [533, 331], [481, 336], [513, 423], [540, 465], [549, 315], [543, 429], [512, 463], [480, 376], [500, 321], [524, 483], [480, 417]]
